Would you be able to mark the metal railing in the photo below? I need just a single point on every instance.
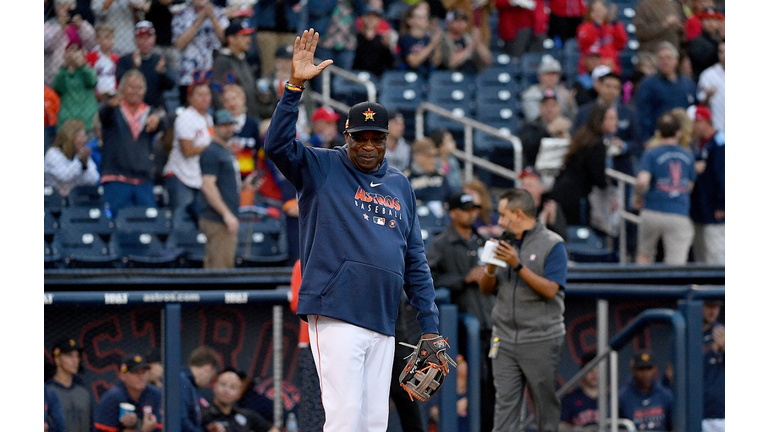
(331, 70)
(467, 155)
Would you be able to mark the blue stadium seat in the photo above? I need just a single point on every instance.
(138, 249)
(262, 240)
(402, 91)
(54, 202)
(85, 250)
(430, 221)
(585, 245)
(52, 255)
(570, 64)
(529, 66)
(146, 219)
(442, 79)
(192, 242)
(182, 220)
(458, 99)
(496, 77)
(627, 60)
(500, 152)
(86, 196)
(87, 219)
(51, 226)
(349, 91)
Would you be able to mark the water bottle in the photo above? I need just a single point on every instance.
(291, 424)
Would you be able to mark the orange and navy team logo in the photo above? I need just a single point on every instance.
(369, 114)
(378, 208)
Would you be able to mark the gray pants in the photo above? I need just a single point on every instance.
(533, 365)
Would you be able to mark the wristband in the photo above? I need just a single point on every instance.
(293, 87)
(518, 267)
(490, 275)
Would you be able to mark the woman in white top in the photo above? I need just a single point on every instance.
(191, 135)
(68, 162)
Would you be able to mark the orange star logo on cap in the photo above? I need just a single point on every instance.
(369, 114)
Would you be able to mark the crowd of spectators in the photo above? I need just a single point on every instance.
(147, 75)
(131, 87)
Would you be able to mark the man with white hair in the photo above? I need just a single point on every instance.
(663, 91)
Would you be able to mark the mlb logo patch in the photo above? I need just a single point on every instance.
(379, 220)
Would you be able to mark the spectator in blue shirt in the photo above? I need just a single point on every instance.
(663, 91)
(663, 188)
(644, 400)
(202, 365)
(135, 390)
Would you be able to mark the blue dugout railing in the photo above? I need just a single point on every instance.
(687, 356)
(689, 305)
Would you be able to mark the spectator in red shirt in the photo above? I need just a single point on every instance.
(522, 25)
(693, 23)
(602, 32)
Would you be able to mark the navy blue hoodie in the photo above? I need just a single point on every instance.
(360, 237)
(709, 191)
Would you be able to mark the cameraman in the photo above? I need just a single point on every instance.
(528, 323)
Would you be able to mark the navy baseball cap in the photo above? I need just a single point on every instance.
(222, 117)
(65, 345)
(133, 363)
(367, 116)
(643, 360)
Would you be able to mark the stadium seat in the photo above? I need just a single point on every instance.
(498, 151)
(427, 235)
(158, 221)
(459, 100)
(182, 220)
(431, 221)
(262, 240)
(585, 245)
(497, 77)
(52, 255)
(402, 91)
(192, 242)
(85, 250)
(627, 60)
(350, 92)
(51, 226)
(529, 66)
(499, 114)
(87, 219)
(144, 249)
(86, 196)
(54, 202)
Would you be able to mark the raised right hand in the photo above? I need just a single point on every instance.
(304, 67)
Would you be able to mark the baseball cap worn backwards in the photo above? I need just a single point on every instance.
(367, 116)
